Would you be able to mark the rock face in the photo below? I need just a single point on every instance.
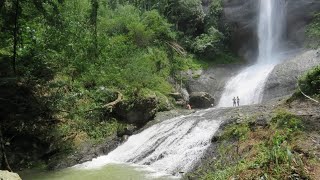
(283, 79)
(6, 175)
(299, 15)
(212, 80)
(242, 17)
(85, 153)
(201, 100)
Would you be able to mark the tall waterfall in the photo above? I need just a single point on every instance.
(249, 83)
(176, 144)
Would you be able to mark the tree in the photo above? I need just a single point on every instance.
(93, 23)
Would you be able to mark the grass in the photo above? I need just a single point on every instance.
(272, 152)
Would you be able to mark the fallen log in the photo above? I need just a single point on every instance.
(308, 96)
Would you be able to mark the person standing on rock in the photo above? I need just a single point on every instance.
(188, 106)
(238, 100)
(234, 102)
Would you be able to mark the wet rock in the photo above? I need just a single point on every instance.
(129, 130)
(261, 121)
(86, 152)
(6, 175)
(125, 137)
(283, 80)
(217, 136)
(213, 80)
(201, 100)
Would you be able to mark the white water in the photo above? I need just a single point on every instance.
(169, 147)
(249, 83)
(175, 145)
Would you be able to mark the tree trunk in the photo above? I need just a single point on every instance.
(94, 23)
(15, 36)
(4, 160)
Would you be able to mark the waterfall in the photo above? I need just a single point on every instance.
(169, 147)
(249, 83)
(175, 145)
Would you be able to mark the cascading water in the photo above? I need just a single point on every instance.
(176, 144)
(169, 147)
(249, 83)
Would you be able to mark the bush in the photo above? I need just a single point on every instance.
(284, 120)
(313, 31)
(208, 42)
(310, 82)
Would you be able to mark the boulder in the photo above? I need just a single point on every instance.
(283, 80)
(201, 100)
(138, 112)
(85, 152)
(6, 175)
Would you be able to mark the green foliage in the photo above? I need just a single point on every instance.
(313, 31)
(310, 82)
(271, 157)
(208, 42)
(215, 12)
(276, 156)
(74, 56)
(160, 27)
(239, 132)
(285, 120)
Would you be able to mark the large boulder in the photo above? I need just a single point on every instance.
(6, 175)
(138, 112)
(283, 80)
(201, 100)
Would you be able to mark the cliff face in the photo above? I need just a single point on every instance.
(283, 80)
(299, 14)
(242, 17)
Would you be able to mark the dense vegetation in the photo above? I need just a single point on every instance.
(313, 32)
(63, 62)
(310, 82)
(281, 149)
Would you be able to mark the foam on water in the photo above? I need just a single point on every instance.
(169, 147)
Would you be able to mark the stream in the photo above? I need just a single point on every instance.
(107, 172)
(168, 149)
